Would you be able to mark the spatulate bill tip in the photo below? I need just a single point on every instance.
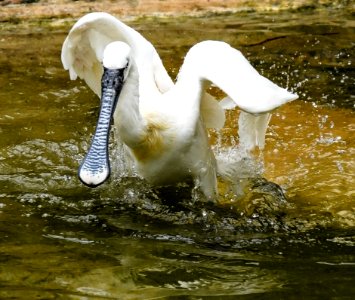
(93, 178)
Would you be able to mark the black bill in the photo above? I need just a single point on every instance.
(95, 169)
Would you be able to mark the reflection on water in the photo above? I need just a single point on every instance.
(126, 240)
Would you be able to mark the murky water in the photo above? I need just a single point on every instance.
(125, 240)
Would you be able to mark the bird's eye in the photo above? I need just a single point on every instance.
(126, 70)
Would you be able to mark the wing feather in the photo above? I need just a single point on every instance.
(212, 113)
(83, 48)
(252, 130)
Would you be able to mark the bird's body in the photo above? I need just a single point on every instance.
(164, 125)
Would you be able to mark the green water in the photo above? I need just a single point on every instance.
(126, 240)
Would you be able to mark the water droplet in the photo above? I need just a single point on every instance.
(339, 166)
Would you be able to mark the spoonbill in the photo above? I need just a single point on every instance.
(163, 124)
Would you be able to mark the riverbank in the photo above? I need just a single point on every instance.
(21, 10)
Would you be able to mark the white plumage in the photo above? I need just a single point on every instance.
(164, 125)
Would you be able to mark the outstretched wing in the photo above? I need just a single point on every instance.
(82, 50)
(228, 69)
(257, 96)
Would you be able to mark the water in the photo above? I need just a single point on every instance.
(292, 236)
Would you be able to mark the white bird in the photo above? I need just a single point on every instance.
(164, 125)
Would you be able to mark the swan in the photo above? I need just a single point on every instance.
(162, 124)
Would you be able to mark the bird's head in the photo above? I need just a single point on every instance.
(116, 56)
(95, 168)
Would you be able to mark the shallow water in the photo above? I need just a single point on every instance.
(126, 240)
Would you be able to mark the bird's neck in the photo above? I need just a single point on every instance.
(129, 121)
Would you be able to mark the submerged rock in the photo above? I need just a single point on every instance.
(260, 207)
